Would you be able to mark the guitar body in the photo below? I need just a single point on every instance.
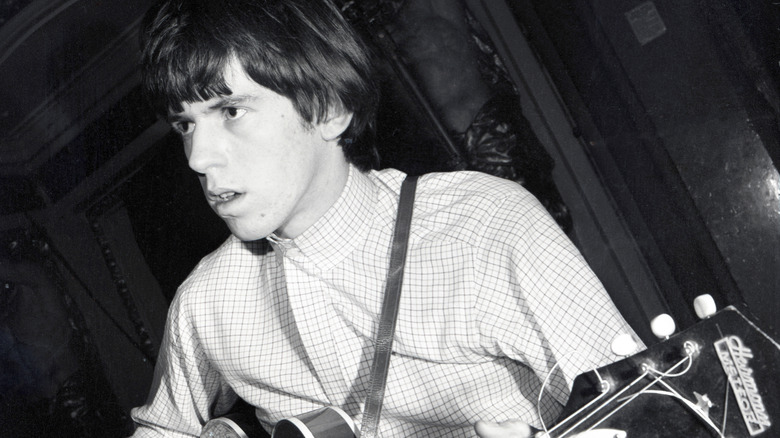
(717, 379)
(239, 423)
(328, 422)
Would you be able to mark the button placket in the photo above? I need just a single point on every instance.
(315, 316)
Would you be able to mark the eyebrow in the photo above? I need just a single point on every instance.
(221, 102)
(230, 100)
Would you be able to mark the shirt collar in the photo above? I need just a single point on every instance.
(334, 236)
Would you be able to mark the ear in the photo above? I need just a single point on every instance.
(335, 125)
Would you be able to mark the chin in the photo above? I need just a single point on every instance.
(247, 235)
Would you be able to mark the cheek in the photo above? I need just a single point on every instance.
(279, 157)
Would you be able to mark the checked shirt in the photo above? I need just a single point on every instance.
(494, 296)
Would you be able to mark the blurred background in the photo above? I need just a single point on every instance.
(648, 129)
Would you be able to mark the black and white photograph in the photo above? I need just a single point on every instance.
(389, 218)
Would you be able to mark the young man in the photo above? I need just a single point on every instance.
(271, 99)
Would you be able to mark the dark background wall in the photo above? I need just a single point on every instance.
(677, 104)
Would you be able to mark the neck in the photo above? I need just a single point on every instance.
(326, 189)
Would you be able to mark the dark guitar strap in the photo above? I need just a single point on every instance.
(384, 335)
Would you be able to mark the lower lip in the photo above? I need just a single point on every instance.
(220, 205)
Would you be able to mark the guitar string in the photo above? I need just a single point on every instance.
(613, 398)
(690, 405)
(663, 374)
(541, 389)
(693, 406)
(605, 386)
(602, 383)
(659, 377)
(606, 402)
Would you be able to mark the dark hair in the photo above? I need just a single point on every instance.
(301, 49)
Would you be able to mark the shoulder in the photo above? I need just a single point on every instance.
(226, 284)
(233, 266)
(479, 190)
(464, 205)
(453, 186)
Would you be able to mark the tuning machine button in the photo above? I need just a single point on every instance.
(624, 345)
(704, 305)
(663, 326)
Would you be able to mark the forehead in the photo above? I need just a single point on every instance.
(239, 88)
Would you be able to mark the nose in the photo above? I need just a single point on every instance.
(204, 149)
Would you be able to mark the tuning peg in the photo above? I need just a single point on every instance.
(662, 326)
(624, 345)
(704, 305)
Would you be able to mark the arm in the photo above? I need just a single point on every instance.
(541, 305)
(186, 390)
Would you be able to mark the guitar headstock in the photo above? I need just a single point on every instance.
(715, 379)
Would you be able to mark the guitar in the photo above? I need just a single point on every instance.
(327, 422)
(715, 379)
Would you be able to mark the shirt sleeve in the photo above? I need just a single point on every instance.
(539, 302)
(185, 390)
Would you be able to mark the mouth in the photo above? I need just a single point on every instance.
(222, 197)
(227, 196)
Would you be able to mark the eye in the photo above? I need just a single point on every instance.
(183, 127)
(232, 113)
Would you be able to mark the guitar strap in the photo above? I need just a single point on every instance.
(384, 335)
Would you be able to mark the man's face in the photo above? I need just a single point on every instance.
(262, 168)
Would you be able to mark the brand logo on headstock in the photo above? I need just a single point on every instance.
(734, 356)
